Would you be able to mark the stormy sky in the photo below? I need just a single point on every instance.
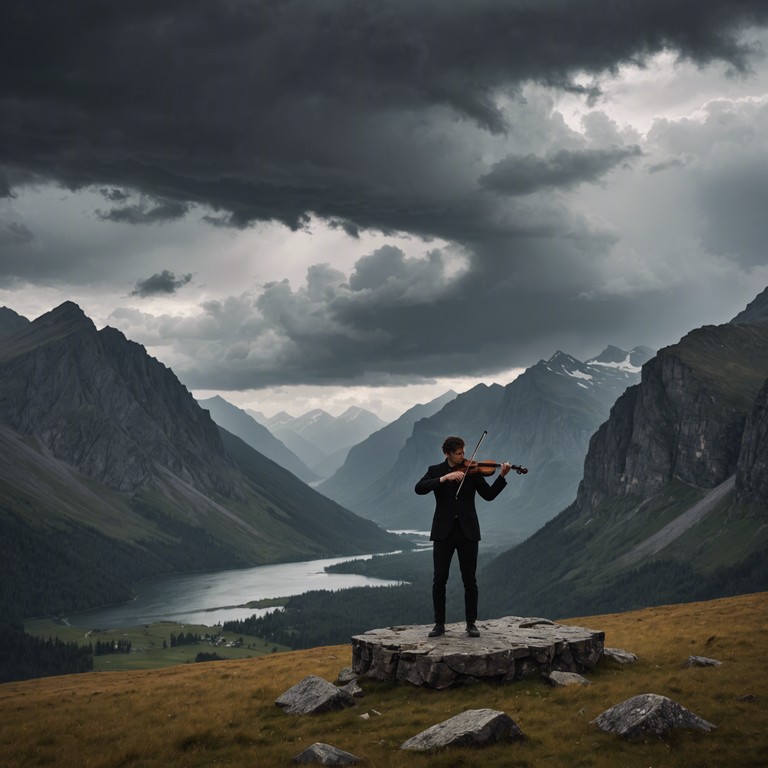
(325, 203)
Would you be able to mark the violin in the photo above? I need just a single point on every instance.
(486, 468)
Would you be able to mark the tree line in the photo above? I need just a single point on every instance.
(23, 656)
(107, 647)
(324, 617)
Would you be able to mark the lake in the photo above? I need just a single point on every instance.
(212, 598)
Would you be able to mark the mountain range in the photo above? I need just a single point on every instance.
(320, 440)
(542, 420)
(673, 503)
(648, 474)
(372, 459)
(111, 472)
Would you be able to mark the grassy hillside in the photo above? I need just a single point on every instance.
(223, 713)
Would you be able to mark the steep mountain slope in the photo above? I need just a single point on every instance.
(238, 422)
(673, 502)
(370, 460)
(542, 420)
(110, 472)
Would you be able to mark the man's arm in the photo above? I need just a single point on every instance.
(490, 492)
(430, 482)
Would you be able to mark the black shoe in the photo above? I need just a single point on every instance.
(472, 630)
(438, 630)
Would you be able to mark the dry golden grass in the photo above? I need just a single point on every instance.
(223, 713)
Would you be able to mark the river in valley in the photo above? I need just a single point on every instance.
(212, 598)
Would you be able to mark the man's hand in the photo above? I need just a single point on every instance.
(505, 467)
(455, 476)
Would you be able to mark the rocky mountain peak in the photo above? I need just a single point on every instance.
(11, 322)
(67, 314)
(562, 359)
(65, 320)
(610, 354)
(101, 404)
(756, 312)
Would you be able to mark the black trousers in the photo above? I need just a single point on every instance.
(442, 554)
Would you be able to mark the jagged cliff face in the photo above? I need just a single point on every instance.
(102, 405)
(684, 421)
(752, 466)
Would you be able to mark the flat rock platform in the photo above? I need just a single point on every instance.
(508, 649)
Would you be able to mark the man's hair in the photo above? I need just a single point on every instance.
(452, 443)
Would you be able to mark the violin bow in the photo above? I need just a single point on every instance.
(474, 453)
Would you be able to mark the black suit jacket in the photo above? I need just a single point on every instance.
(448, 507)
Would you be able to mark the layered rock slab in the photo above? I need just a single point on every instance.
(508, 649)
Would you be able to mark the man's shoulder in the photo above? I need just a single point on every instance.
(437, 468)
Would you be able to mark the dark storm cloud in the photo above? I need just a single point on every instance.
(390, 116)
(115, 195)
(272, 109)
(145, 212)
(564, 169)
(160, 283)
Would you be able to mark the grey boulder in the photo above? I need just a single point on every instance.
(474, 727)
(312, 696)
(649, 713)
(325, 754)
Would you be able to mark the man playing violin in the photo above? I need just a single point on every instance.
(455, 527)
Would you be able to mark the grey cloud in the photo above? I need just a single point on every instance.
(160, 283)
(725, 155)
(393, 316)
(5, 186)
(665, 165)
(14, 233)
(733, 201)
(564, 169)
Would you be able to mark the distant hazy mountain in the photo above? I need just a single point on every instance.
(673, 504)
(238, 422)
(320, 440)
(257, 416)
(542, 420)
(370, 460)
(110, 472)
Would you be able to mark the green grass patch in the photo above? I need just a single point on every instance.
(151, 644)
